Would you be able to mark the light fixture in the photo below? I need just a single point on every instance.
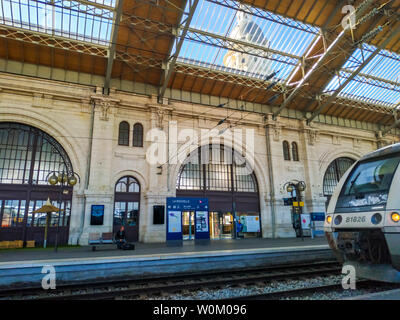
(53, 179)
(72, 180)
(395, 217)
(329, 219)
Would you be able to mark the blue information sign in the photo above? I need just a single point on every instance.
(175, 207)
(317, 216)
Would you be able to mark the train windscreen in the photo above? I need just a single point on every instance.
(367, 186)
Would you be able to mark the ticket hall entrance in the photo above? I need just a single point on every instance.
(227, 180)
(221, 225)
(188, 218)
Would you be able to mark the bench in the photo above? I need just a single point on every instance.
(100, 239)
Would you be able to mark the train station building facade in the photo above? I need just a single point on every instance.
(50, 125)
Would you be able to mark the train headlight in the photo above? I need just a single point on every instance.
(338, 220)
(329, 219)
(376, 218)
(395, 217)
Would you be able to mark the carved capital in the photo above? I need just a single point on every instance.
(312, 136)
(160, 113)
(275, 127)
(105, 105)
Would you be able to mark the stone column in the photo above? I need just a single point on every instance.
(101, 189)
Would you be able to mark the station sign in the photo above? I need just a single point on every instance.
(175, 207)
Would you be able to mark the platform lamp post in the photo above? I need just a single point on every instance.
(63, 179)
(298, 187)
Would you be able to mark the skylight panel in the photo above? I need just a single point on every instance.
(70, 19)
(233, 37)
(377, 83)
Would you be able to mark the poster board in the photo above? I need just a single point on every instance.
(97, 215)
(251, 224)
(201, 222)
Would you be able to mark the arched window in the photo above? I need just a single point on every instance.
(286, 150)
(334, 173)
(126, 207)
(217, 169)
(137, 135)
(123, 134)
(295, 151)
(27, 157)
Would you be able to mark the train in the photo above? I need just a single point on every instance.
(362, 222)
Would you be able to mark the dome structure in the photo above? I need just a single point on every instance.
(247, 30)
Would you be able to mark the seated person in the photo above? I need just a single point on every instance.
(120, 237)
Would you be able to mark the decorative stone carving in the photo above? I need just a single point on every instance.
(275, 127)
(159, 114)
(105, 105)
(312, 136)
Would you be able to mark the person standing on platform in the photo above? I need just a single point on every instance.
(239, 228)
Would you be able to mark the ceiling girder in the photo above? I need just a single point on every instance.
(394, 34)
(170, 63)
(113, 44)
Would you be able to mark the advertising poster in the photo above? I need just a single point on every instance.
(97, 215)
(250, 223)
(174, 221)
(305, 221)
(201, 221)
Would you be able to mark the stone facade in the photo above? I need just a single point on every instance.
(85, 122)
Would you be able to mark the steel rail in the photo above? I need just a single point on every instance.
(128, 288)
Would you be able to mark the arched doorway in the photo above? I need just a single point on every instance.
(126, 207)
(227, 180)
(333, 175)
(27, 156)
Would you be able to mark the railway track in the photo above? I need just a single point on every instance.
(303, 292)
(174, 284)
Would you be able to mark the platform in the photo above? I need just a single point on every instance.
(23, 267)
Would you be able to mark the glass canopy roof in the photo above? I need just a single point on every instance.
(236, 38)
(377, 83)
(84, 20)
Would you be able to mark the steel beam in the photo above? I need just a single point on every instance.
(48, 40)
(355, 73)
(113, 44)
(86, 3)
(170, 63)
(321, 61)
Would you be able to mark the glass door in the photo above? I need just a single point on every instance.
(227, 231)
(188, 225)
(221, 225)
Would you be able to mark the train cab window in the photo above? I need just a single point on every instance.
(369, 183)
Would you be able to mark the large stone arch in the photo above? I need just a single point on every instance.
(261, 176)
(55, 129)
(327, 159)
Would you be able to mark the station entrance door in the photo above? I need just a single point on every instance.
(221, 225)
(188, 218)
